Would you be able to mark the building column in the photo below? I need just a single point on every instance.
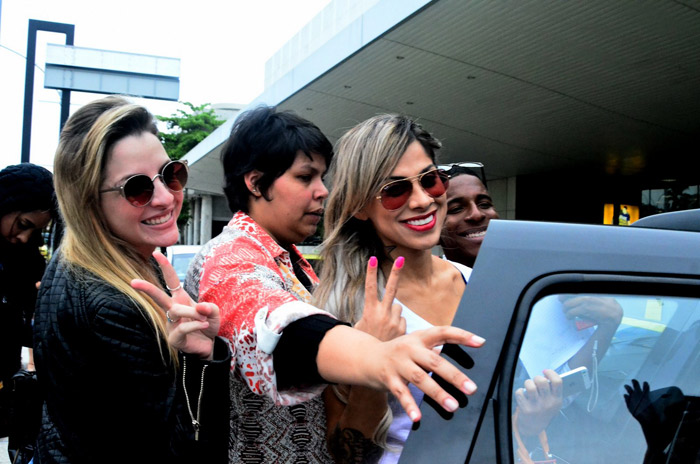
(196, 221)
(503, 194)
(510, 208)
(185, 236)
(190, 232)
(206, 210)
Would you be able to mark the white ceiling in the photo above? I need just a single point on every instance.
(529, 86)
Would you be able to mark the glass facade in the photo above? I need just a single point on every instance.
(675, 197)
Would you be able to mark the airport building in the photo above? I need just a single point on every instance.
(576, 109)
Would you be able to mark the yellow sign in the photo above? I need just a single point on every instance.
(653, 310)
(621, 215)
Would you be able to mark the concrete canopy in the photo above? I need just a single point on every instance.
(526, 87)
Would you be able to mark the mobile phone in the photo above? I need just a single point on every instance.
(575, 381)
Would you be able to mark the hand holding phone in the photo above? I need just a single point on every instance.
(575, 381)
(538, 402)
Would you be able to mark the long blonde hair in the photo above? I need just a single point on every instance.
(79, 167)
(365, 157)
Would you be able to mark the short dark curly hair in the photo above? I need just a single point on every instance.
(268, 140)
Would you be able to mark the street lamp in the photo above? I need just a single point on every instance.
(34, 26)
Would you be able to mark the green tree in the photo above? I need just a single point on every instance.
(185, 129)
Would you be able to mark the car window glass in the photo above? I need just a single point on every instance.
(629, 367)
(181, 263)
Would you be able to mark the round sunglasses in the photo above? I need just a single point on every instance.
(395, 194)
(139, 189)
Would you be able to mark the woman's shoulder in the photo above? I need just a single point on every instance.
(465, 271)
(65, 286)
(234, 243)
(232, 252)
(61, 273)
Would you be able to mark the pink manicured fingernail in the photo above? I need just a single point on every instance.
(373, 261)
(469, 387)
(478, 339)
(450, 404)
(399, 262)
(413, 415)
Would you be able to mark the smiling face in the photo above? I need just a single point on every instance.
(416, 225)
(18, 227)
(469, 210)
(294, 204)
(154, 225)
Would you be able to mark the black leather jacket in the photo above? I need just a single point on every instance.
(109, 396)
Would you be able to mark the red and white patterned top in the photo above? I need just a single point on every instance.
(251, 278)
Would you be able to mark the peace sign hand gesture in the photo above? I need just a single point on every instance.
(382, 319)
(192, 326)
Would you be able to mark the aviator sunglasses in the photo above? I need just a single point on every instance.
(395, 194)
(139, 189)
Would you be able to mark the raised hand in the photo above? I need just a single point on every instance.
(382, 318)
(659, 412)
(637, 397)
(192, 326)
(391, 365)
(600, 310)
(411, 357)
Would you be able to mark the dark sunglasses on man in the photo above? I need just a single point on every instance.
(473, 168)
(393, 195)
(139, 189)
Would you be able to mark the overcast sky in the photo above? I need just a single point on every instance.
(223, 46)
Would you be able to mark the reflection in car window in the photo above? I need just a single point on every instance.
(181, 263)
(608, 379)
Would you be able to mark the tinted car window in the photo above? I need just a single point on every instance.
(639, 394)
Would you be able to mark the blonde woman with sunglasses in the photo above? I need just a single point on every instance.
(387, 207)
(130, 367)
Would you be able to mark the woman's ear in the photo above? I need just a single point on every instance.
(251, 179)
(361, 215)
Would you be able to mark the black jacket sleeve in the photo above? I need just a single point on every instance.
(294, 357)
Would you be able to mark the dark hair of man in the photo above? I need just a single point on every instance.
(267, 140)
